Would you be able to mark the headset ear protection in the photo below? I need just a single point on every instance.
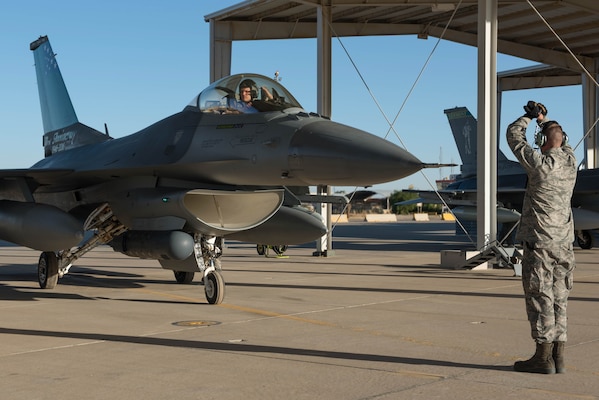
(541, 137)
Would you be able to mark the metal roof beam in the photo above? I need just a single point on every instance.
(535, 82)
(302, 30)
(546, 56)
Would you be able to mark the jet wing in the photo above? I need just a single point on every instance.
(41, 176)
(435, 200)
(23, 182)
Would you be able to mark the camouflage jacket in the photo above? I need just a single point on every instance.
(546, 212)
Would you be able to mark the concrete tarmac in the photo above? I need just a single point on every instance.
(378, 320)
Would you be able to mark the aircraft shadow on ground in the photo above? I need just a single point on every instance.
(329, 288)
(396, 271)
(23, 285)
(266, 351)
(425, 237)
(21, 293)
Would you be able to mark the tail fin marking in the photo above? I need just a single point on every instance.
(62, 129)
(57, 109)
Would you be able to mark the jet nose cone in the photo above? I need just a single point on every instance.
(329, 153)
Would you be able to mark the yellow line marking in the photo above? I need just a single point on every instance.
(276, 315)
(170, 295)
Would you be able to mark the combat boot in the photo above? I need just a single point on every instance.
(558, 357)
(540, 363)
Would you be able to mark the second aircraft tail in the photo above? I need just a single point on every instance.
(464, 128)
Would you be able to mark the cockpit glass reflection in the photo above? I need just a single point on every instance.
(244, 94)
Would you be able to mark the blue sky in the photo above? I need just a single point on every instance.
(131, 63)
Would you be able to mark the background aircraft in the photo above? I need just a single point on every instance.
(511, 184)
(172, 191)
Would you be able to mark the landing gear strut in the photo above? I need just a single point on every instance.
(52, 266)
(207, 250)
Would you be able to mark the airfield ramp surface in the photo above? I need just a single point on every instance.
(379, 320)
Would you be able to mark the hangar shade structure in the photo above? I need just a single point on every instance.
(563, 34)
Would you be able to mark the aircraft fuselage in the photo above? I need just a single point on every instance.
(266, 149)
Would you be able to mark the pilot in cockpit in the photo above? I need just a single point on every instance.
(248, 92)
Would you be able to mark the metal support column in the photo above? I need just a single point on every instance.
(487, 124)
(590, 112)
(220, 50)
(323, 106)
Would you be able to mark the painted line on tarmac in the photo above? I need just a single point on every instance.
(272, 314)
(171, 295)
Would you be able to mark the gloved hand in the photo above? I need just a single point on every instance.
(533, 109)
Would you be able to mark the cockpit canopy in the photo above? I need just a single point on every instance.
(223, 96)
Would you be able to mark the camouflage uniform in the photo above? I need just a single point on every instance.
(547, 231)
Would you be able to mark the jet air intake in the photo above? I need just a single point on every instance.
(216, 212)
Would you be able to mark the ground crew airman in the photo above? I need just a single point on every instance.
(547, 232)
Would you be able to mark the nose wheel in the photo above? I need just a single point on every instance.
(214, 287)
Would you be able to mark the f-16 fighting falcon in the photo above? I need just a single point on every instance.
(176, 189)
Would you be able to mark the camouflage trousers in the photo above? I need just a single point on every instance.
(547, 278)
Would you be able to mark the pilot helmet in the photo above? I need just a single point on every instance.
(248, 83)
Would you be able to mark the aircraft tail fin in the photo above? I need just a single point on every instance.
(464, 128)
(62, 129)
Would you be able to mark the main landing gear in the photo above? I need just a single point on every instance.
(47, 270)
(52, 266)
(207, 250)
(262, 249)
(584, 239)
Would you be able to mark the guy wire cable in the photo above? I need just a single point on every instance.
(391, 124)
(588, 74)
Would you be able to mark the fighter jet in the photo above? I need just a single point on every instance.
(222, 168)
(511, 184)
